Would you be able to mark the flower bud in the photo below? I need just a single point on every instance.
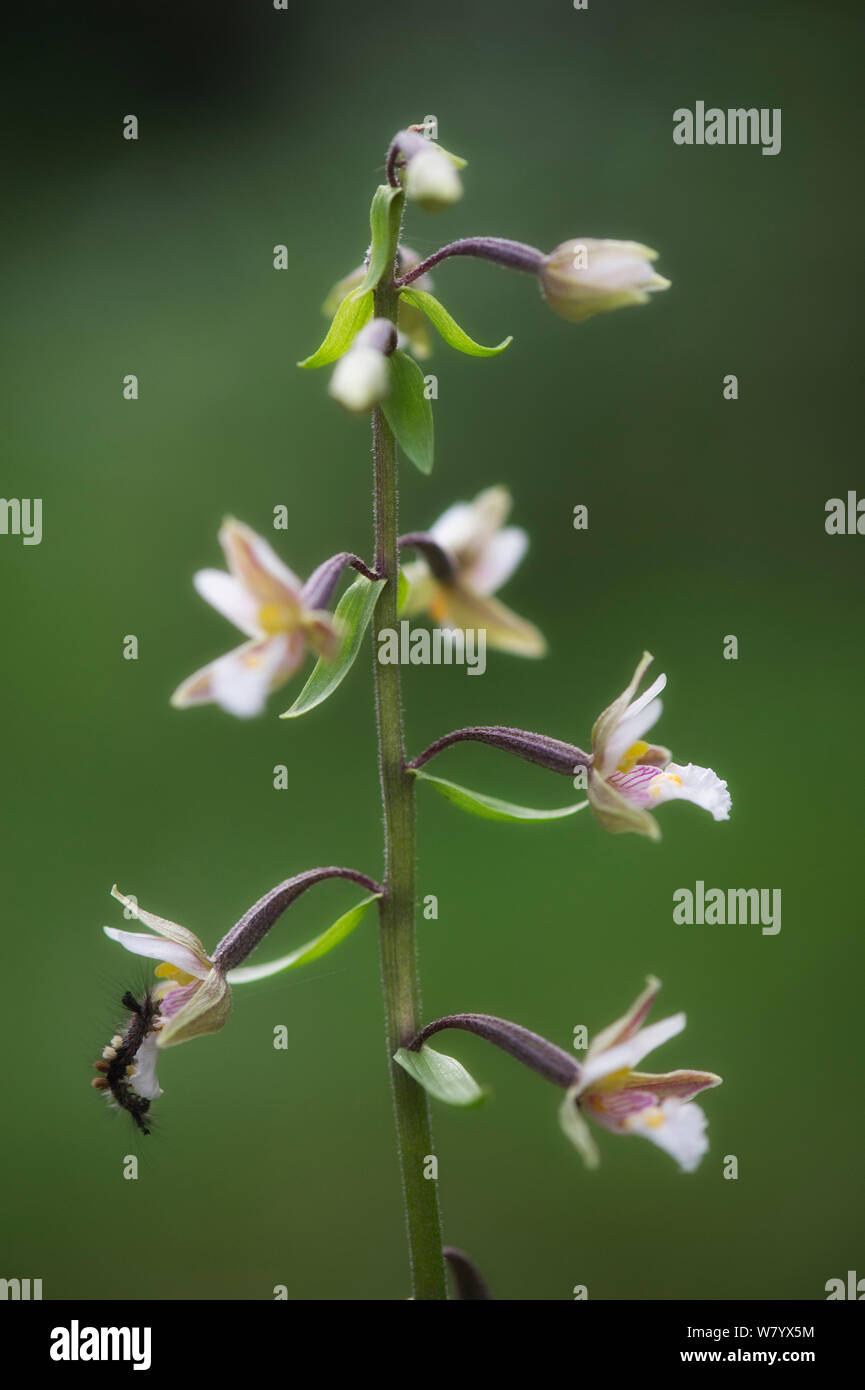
(431, 179)
(582, 278)
(361, 379)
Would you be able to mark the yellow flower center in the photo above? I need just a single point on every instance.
(655, 789)
(633, 756)
(173, 972)
(653, 1116)
(276, 617)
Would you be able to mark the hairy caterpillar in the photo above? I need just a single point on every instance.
(127, 1070)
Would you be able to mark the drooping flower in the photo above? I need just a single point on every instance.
(266, 601)
(361, 378)
(582, 278)
(193, 995)
(658, 1107)
(430, 175)
(628, 777)
(482, 553)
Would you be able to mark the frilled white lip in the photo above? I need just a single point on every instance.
(143, 1076)
(678, 1127)
(650, 786)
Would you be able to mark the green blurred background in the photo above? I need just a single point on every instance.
(706, 518)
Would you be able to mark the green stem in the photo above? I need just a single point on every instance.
(397, 944)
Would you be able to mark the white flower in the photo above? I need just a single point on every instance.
(630, 777)
(582, 278)
(194, 996)
(484, 553)
(431, 179)
(657, 1107)
(360, 379)
(264, 599)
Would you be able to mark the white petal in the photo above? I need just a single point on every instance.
(498, 560)
(181, 935)
(257, 565)
(360, 379)
(227, 595)
(678, 1127)
(627, 1025)
(691, 783)
(625, 1055)
(158, 948)
(455, 528)
(242, 680)
(467, 528)
(144, 1076)
(647, 696)
(630, 728)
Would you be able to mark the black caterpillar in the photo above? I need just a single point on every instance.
(119, 1056)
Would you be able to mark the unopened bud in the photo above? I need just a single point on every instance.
(361, 378)
(431, 179)
(582, 278)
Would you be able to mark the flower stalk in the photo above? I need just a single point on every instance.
(513, 255)
(397, 942)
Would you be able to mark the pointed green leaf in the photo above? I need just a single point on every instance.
(490, 807)
(354, 311)
(352, 615)
(448, 326)
(444, 1077)
(313, 950)
(384, 217)
(408, 412)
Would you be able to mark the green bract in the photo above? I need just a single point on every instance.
(354, 311)
(442, 1076)
(384, 216)
(491, 807)
(448, 326)
(319, 946)
(351, 617)
(408, 412)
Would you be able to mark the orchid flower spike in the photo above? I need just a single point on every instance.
(483, 554)
(629, 777)
(659, 1108)
(266, 601)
